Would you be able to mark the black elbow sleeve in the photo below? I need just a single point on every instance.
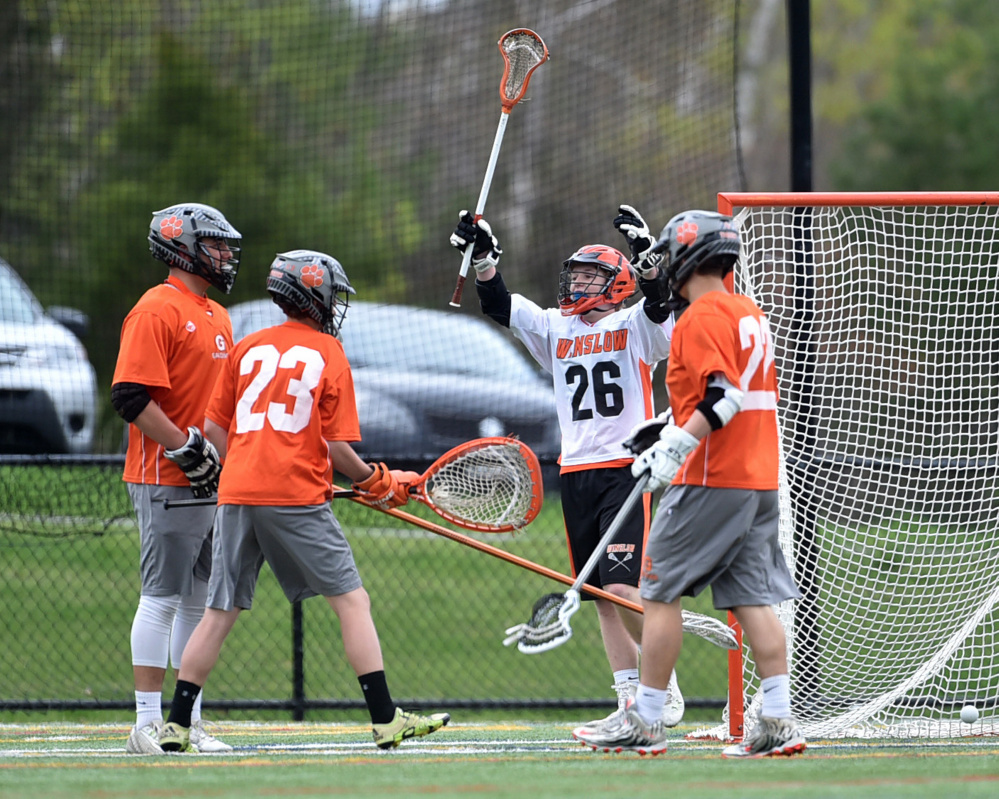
(494, 299)
(129, 400)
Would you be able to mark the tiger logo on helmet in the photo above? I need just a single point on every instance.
(610, 282)
(314, 283)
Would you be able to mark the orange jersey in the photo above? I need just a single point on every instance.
(285, 392)
(174, 342)
(727, 334)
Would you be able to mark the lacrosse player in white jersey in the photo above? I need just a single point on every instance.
(601, 355)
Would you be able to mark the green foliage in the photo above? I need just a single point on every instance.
(932, 120)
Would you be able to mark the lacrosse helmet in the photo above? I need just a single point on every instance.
(694, 239)
(176, 237)
(613, 283)
(314, 283)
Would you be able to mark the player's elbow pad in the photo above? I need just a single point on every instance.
(494, 298)
(721, 402)
(129, 400)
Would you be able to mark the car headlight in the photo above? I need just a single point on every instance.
(52, 353)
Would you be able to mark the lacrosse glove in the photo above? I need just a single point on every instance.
(486, 251)
(199, 460)
(641, 242)
(644, 434)
(385, 489)
(664, 458)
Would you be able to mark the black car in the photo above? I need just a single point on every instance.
(428, 380)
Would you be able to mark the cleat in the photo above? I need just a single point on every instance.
(631, 734)
(674, 707)
(625, 691)
(174, 738)
(144, 741)
(407, 725)
(204, 742)
(770, 738)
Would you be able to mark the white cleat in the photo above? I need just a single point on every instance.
(145, 741)
(204, 742)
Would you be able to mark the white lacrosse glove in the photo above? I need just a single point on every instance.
(486, 251)
(199, 460)
(641, 242)
(664, 458)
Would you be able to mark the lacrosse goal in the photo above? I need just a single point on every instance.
(885, 315)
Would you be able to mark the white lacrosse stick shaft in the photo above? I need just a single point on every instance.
(480, 206)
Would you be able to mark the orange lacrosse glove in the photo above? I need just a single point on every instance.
(383, 489)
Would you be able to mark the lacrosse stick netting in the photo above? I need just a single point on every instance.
(523, 52)
(494, 486)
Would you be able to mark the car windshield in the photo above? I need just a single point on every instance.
(16, 304)
(429, 341)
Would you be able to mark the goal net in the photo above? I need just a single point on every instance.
(885, 315)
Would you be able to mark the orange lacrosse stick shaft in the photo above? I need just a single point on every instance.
(499, 553)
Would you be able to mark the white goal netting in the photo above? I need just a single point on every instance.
(886, 324)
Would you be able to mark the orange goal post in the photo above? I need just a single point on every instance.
(885, 313)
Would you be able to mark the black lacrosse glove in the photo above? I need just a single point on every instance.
(641, 242)
(486, 251)
(199, 460)
(644, 434)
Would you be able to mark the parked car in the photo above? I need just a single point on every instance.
(48, 388)
(428, 380)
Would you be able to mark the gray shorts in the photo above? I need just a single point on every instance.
(722, 537)
(175, 545)
(304, 546)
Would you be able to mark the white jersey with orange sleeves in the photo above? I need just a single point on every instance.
(722, 333)
(285, 392)
(174, 342)
(602, 374)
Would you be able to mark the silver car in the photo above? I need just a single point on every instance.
(428, 380)
(48, 388)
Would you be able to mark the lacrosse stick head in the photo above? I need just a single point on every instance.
(548, 626)
(523, 52)
(490, 485)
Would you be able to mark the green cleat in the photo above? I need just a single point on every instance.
(174, 738)
(404, 725)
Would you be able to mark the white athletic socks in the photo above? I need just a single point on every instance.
(625, 675)
(148, 707)
(776, 696)
(651, 702)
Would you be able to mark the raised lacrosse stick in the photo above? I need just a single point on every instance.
(523, 52)
(490, 485)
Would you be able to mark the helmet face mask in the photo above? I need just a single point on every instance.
(594, 276)
(198, 239)
(313, 282)
(696, 239)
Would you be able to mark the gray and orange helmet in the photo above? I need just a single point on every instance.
(176, 237)
(314, 283)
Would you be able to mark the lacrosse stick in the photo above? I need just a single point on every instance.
(490, 485)
(549, 624)
(523, 52)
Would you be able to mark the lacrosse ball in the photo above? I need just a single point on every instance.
(969, 714)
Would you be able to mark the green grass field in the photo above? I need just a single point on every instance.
(491, 759)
